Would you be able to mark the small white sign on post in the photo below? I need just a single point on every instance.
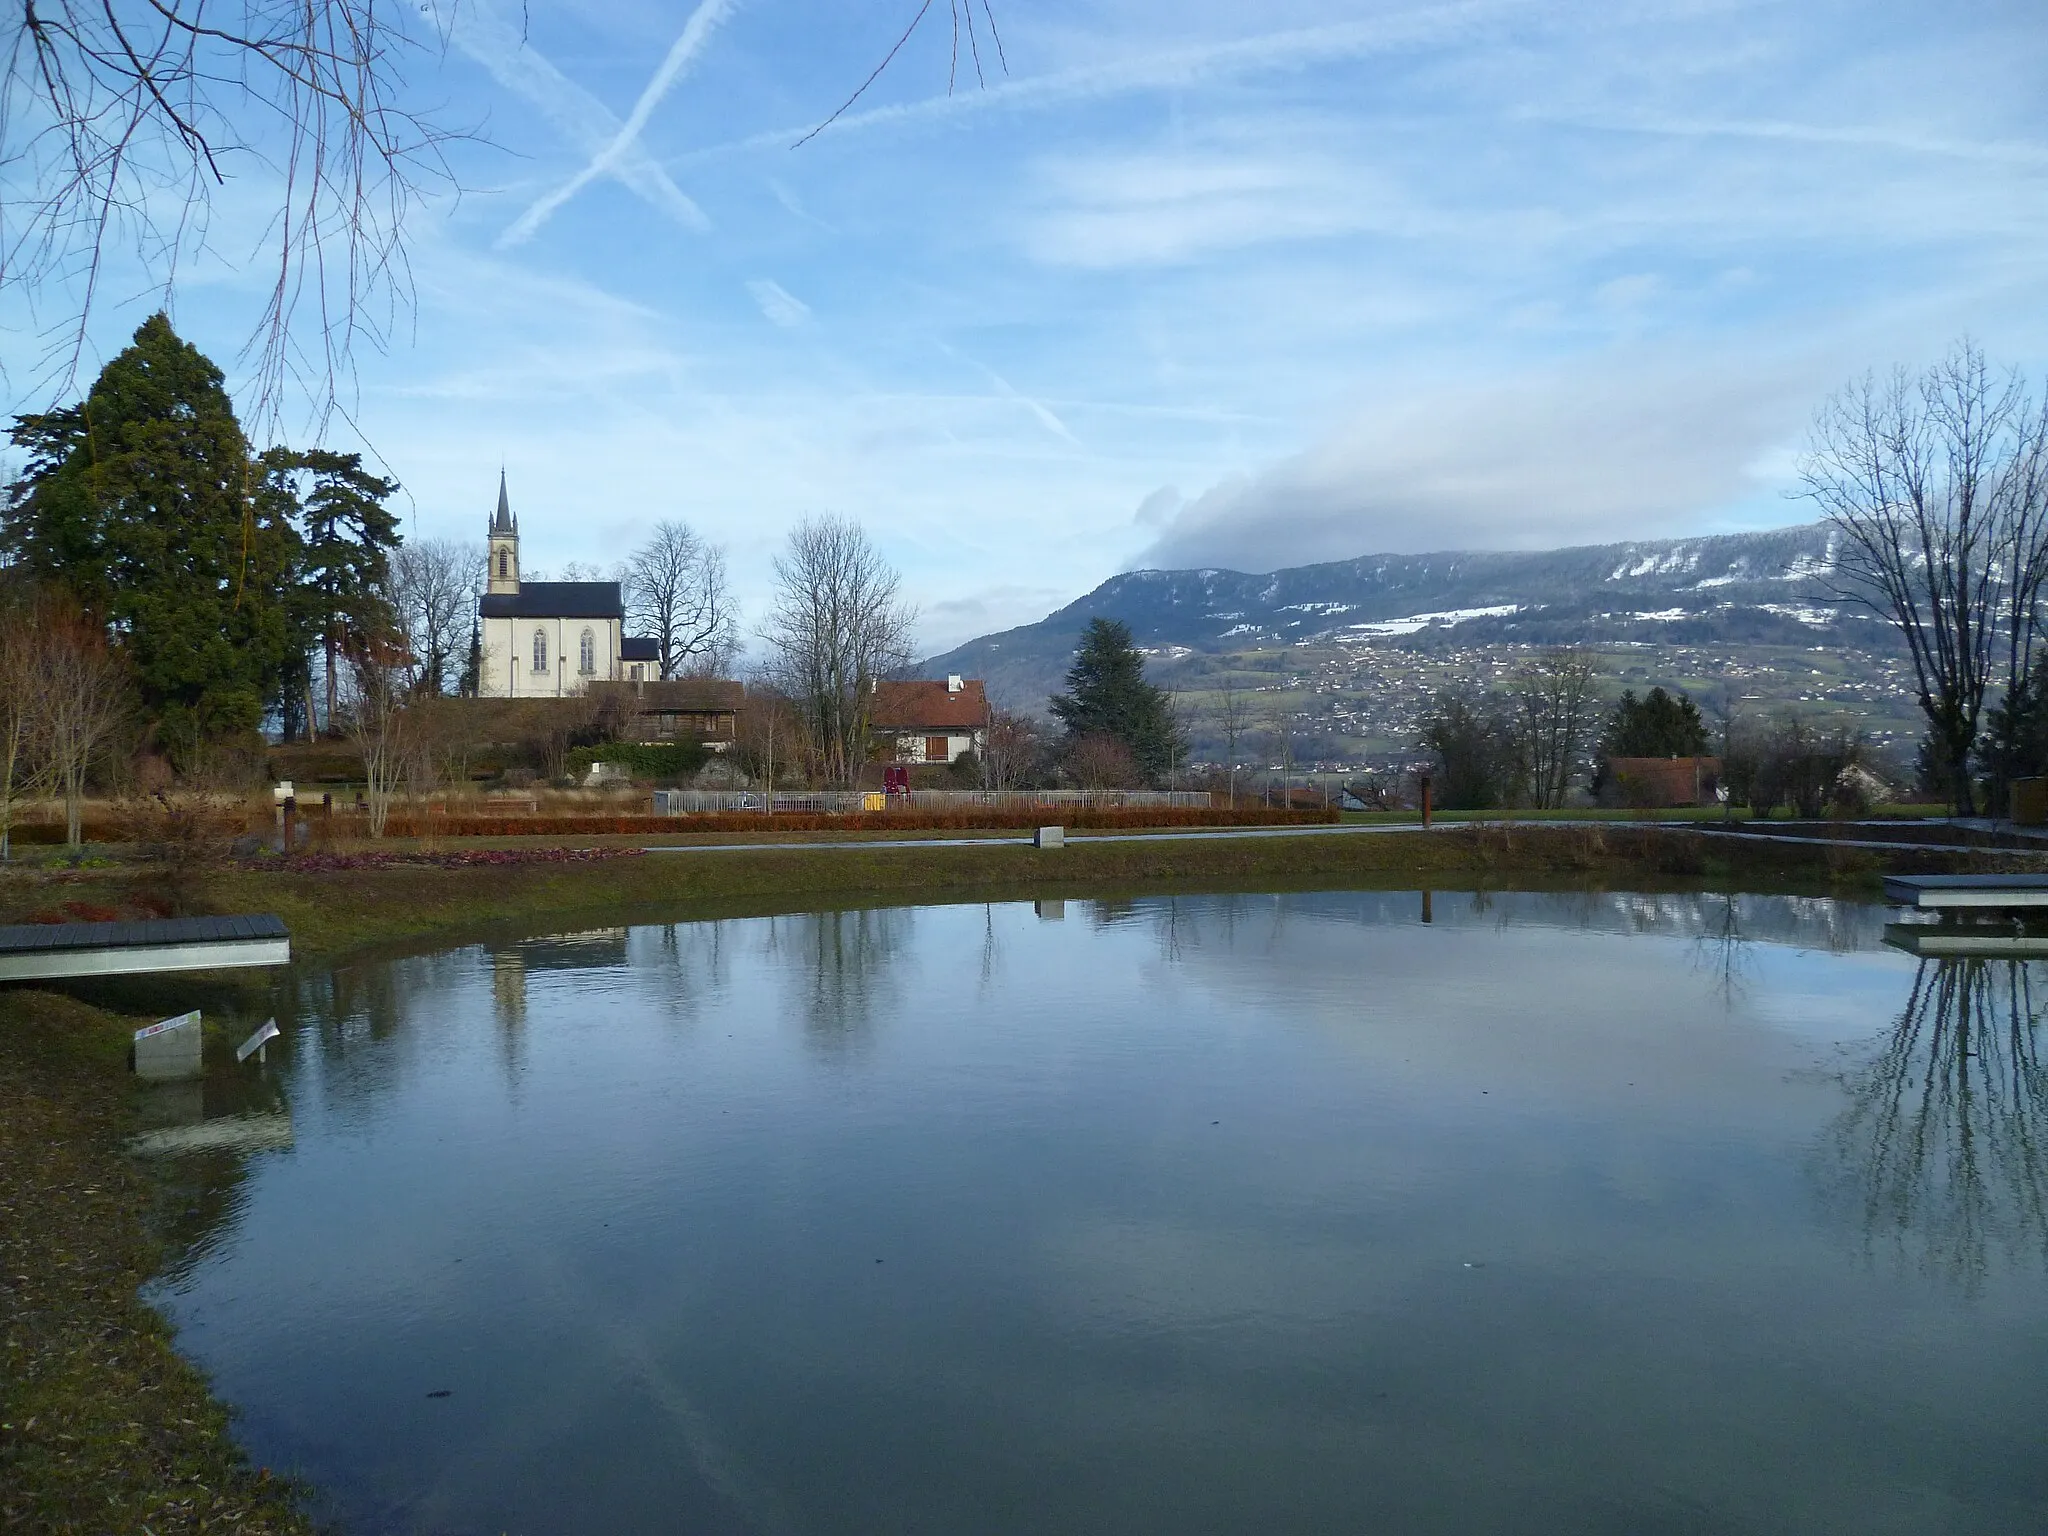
(170, 1050)
(253, 1046)
(1050, 837)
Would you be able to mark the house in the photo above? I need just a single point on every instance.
(929, 722)
(549, 639)
(1650, 782)
(705, 709)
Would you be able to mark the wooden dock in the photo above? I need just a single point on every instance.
(1968, 893)
(49, 951)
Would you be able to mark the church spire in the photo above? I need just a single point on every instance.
(502, 522)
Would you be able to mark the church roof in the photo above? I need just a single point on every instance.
(556, 600)
(633, 648)
(501, 520)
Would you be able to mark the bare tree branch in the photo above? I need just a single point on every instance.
(1937, 489)
(836, 629)
(120, 119)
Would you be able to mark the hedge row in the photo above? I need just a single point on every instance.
(1098, 818)
(643, 760)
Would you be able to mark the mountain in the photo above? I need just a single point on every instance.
(1743, 587)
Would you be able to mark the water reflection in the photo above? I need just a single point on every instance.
(1175, 1214)
(839, 967)
(1941, 1145)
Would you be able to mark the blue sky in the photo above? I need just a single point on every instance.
(1193, 283)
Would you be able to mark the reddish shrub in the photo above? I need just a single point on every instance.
(1091, 818)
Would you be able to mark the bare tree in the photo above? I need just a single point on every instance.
(837, 628)
(84, 694)
(1102, 761)
(378, 721)
(22, 642)
(676, 592)
(1010, 745)
(1551, 697)
(434, 587)
(120, 122)
(1233, 719)
(1937, 487)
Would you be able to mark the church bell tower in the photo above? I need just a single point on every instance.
(504, 571)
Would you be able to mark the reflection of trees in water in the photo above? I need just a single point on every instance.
(1941, 1144)
(846, 982)
(684, 968)
(1721, 949)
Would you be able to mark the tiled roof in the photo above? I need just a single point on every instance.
(633, 648)
(691, 695)
(928, 706)
(557, 600)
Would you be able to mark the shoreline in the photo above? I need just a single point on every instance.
(105, 1427)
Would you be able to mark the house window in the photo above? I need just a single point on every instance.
(936, 750)
(665, 725)
(639, 673)
(587, 661)
(540, 650)
(504, 564)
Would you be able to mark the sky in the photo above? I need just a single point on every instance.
(1182, 284)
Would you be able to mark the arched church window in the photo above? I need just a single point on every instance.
(540, 650)
(504, 564)
(587, 662)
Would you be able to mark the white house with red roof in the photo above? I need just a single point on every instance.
(929, 721)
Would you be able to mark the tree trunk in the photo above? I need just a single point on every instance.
(333, 693)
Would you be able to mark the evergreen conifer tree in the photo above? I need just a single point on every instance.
(138, 501)
(1656, 725)
(1107, 695)
(339, 605)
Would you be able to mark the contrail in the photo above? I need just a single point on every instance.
(1299, 48)
(683, 53)
(587, 123)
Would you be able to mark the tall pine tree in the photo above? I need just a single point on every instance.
(137, 501)
(339, 607)
(1107, 695)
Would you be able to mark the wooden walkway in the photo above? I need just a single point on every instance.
(46, 951)
(1968, 893)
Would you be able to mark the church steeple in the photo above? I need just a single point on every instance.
(503, 575)
(502, 521)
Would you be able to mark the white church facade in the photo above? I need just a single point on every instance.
(550, 639)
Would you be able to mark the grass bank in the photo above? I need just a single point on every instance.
(333, 912)
(103, 1426)
(104, 1429)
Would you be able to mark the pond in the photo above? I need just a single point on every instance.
(1296, 1213)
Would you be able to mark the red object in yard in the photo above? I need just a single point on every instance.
(896, 781)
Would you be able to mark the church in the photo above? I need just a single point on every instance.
(551, 639)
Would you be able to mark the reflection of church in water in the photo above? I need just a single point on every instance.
(513, 964)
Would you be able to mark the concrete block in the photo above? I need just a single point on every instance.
(171, 1050)
(1050, 837)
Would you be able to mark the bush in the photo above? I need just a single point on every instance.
(643, 760)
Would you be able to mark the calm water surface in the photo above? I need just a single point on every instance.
(1214, 1214)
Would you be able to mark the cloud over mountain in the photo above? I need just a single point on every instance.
(1614, 448)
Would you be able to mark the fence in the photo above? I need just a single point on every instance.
(832, 802)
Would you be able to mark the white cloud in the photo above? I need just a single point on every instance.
(1618, 446)
(782, 307)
